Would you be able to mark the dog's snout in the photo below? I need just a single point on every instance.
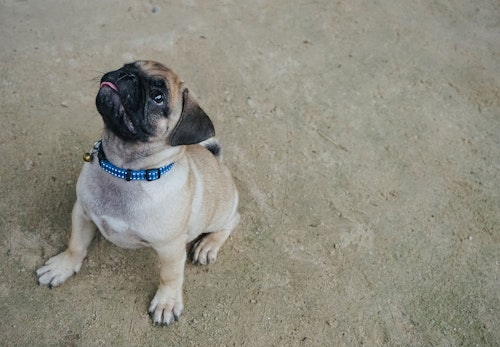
(127, 77)
(118, 76)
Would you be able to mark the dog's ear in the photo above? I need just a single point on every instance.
(193, 126)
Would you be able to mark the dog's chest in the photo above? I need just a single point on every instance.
(120, 231)
(128, 214)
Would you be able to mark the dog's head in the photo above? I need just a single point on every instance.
(146, 101)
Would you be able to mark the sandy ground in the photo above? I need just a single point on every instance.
(365, 140)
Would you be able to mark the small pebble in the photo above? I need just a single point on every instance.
(28, 164)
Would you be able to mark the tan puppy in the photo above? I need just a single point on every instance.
(155, 180)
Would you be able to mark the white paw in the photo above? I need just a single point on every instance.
(58, 269)
(166, 306)
(205, 251)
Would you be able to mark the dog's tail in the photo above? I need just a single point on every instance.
(214, 146)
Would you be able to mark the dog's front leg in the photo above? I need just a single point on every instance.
(59, 268)
(167, 304)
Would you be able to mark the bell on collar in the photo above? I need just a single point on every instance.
(88, 157)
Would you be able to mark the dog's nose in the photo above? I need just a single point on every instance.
(127, 77)
(119, 76)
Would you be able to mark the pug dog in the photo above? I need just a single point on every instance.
(156, 179)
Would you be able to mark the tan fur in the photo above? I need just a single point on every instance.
(196, 197)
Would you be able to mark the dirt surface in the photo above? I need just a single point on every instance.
(365, 140)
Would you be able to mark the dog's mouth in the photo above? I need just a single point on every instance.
(110, 85)
(111, 88)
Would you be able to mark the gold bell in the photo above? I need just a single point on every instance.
(87, 157)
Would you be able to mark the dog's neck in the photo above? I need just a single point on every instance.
(139, 155)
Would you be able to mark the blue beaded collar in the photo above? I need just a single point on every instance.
(127, 174)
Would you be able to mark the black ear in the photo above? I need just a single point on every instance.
(194, 125)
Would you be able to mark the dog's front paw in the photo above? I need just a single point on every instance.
(166, 306)
(58, 269)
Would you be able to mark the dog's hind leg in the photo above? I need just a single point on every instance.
(205, 249)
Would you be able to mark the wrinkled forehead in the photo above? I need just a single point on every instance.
(151, 66)
(155, 70)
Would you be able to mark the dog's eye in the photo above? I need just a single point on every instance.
(158, 98)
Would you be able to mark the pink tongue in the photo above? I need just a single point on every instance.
(110, 85)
